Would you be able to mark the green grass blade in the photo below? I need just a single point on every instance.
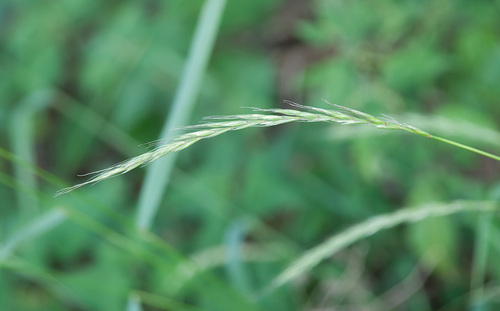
(480, 261)
(158, 174)
(23, 143)
(367, 228)
(109, 133)
(235, 268)
(32, 230)
(133, 303)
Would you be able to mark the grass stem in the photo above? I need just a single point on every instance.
(484, 153)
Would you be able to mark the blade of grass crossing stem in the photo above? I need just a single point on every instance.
(32, 230)
(109, 133)
(314, 256)
(158, 173)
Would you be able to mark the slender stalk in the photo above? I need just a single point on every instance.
(484, 153)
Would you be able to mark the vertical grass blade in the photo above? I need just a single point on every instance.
(158, 174)
(235, 267)
(479, 262)
(23, 144)
(133, 303)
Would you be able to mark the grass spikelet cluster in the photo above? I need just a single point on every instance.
(370, 227)
(221, 124)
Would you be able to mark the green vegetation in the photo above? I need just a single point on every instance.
(296, 216)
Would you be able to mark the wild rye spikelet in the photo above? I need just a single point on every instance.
(340, 115)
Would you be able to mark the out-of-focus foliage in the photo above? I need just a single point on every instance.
(83, 83)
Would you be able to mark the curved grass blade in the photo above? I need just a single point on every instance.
(368, 228)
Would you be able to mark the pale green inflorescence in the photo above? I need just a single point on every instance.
(341, 115)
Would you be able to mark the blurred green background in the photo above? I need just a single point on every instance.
(84, 83)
